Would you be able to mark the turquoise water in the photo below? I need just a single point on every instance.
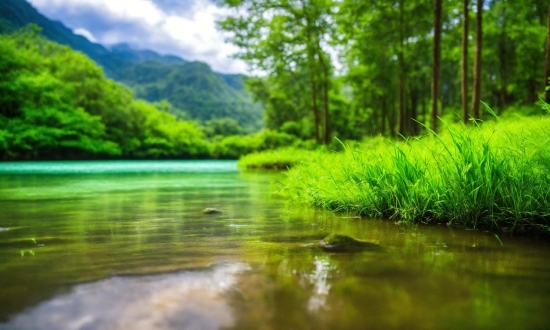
(125, 245)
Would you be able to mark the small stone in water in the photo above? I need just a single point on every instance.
(211, 210)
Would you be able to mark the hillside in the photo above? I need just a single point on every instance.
(56, 103)
(15, 14)
(196, 91)
(129, 53)
(194, 88)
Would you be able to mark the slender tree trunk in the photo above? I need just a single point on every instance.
(503, 75)
(392, 120)
(383, 119)
(477, 61)
(401, 87)
(312, 77)
(325, 98)
(414, 111)
(464, 86)
(547, 59)
(503, 43)
(315, 109)
(424, 111)
(436, 60)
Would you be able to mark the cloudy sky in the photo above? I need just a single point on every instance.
(185, 28)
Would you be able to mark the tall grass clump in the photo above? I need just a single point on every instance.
(494, 174)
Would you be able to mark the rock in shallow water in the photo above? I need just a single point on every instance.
(343, 243)
(211, 210)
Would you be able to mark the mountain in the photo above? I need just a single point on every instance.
(195, 90)
(15, 14)
(127, 52)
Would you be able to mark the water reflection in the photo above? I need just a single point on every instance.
(321, 287)
(85, 228)
(186, 300)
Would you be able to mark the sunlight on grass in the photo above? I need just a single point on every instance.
(493, 175)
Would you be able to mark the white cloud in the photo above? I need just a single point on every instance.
(85, 33)
(191, 34)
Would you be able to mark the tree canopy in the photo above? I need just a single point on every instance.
(57, 103)
(358, 68)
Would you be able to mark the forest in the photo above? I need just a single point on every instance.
(351, 69)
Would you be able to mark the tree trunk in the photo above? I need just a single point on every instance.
(547, 59)
(436, 60)
(383, 119)
(315, 109)
(312, 77)
(503, 44)
(477, 61)
(424, 110)
(503, 75)
(414, 112)
(392, 120)
(401, 87)
(325, 98)
(465, 61)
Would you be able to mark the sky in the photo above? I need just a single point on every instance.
(185, 28)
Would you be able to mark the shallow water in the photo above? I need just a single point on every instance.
(125, 245)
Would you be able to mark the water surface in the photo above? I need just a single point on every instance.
(125, 245)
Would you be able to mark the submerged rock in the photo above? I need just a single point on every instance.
(211, 210)
(343, 243)
(291, 239)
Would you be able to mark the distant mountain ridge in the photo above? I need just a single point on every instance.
(193, 88)
(135, 55)
(15, 14)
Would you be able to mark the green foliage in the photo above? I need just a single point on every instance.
(278, 159)
(494, 175)
(56, 103)
(222, 126)
(288, 41)
(235, 146)
(384, 47)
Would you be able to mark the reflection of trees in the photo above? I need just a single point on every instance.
(430, 277)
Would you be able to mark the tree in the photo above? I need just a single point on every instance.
(401, 60)
(464, 85)
(285, 38)
(547, 59)
(436, 60)
(477, 62)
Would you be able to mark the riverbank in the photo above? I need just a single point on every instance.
(494, 176)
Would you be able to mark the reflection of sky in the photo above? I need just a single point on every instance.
(187, 300)
(321, 287)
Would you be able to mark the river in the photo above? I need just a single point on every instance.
(125, 245)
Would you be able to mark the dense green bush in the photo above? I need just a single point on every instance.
(235, 146)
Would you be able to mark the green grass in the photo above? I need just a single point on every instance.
(494, 175)
(278, 159)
